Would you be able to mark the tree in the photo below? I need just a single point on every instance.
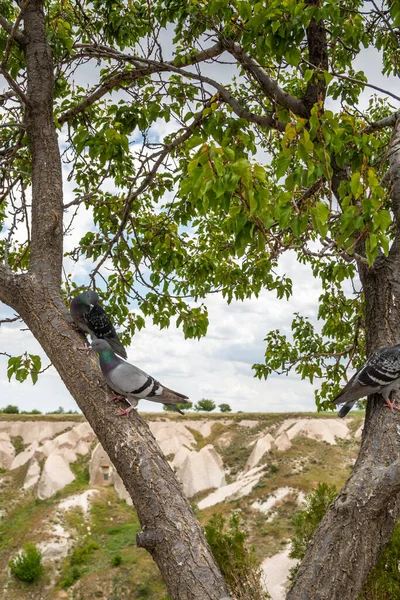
(184, 407)
(10, 409)
(205, 405)
(194, 212)
(224, 408)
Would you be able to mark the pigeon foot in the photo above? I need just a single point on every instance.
(117, 398)
(125, 411)
(85, 349)
(392, 405)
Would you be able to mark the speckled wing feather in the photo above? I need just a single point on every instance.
(380, 374)
(101, 327)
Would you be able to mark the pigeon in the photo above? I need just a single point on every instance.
(379, 375)
(91, 318)
(131, 382)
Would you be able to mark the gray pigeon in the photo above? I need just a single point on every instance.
(133, 383)
(91, 318)
(379, 375)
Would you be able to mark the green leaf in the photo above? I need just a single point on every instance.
(308, 74)
(382, 220)
(319, 216)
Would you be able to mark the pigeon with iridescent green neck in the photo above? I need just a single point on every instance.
(131, 382)
(91, 318)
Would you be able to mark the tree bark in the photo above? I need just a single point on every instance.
(362, 519)
(171, 532)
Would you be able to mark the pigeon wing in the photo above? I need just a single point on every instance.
(128, 380)
(100, 326)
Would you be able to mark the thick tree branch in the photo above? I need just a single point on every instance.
(268, 85)
(394, 170)
(47, 213)
(12, 29)
(383, 123)
(146, 67)
(318, 57)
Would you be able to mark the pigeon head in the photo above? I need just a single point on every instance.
(101, 346)
(89, 298)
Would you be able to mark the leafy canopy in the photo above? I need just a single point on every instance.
(198, 176)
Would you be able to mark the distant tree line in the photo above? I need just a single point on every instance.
(11, 409)
(204, 405)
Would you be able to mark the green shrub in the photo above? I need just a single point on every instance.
(81, 554)
(224, 408)
(27, 566)
(116, 560)
(142, 590)
(235, 557)
(10, 410)
(205, 405)
(70, 578)
(307, 520)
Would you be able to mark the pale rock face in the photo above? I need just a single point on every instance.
(121, 489)
(57, 546)
(180, 457)
(55, 476)
(261, 446)
(45, 450)
(171, 436)
(67, 453)
(318, 429)
(247, 423)
(85, 432)
(201, 471)
(276, 569)
(243, 486)
(283, 442)
(4, 436)
(79, 501)
(358, 433)
(82, 448)
(276, 497)
(7, 454)
(33, 475)
(30, 431)
(203, 427)
(23, 457)
(100, 467)
(69, 439)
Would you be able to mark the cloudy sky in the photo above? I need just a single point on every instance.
(219, 365)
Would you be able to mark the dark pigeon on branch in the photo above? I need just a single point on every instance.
(379, 375)
(131, 382)
(91, 318)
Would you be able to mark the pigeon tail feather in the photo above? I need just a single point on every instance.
(175, 408)
(117, 346)
(174, 397)
(346, 408)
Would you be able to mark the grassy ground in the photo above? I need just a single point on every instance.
(104, 561)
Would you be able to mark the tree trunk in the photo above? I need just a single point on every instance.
(171, 532)
(362, 519)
